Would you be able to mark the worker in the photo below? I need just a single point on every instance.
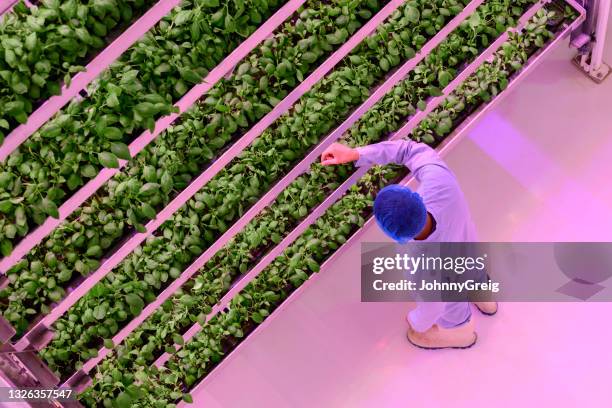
(436, 212)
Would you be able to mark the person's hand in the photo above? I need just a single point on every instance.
(338, 154)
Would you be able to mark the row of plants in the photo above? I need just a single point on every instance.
(166, 167)
(127, 98)
(491, 78)
(225, 199)
(127, 376)
(46, 44)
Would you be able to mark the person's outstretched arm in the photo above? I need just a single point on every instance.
(423, 161)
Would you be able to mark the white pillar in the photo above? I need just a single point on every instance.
(603, 12)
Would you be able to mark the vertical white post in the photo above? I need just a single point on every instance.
(603, 12)
(590, 59)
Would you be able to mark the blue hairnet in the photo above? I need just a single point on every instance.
(400, 212)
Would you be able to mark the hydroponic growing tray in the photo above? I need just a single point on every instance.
(424, 113)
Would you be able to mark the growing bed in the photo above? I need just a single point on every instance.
(137, 296)
(44, 44)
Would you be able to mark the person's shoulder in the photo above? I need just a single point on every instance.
(438, 180)
(444, 196)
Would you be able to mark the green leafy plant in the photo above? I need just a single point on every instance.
(126, 99)
(489, 80)
(48, 43)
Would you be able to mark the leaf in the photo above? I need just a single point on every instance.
(112, 133)
(187, 398)
(74, 181)
(180, 87)
(135, 302)
(10, 58)
(30, 287)
(244, 68)
(162, 68)
(108, 160)
(121, 150)
(150, 174)
(56, 294)
(30, 41)
(99, 312)
(428, 138)
(112, 101)
(503, 83)
(230, 23)
(148, 211)
(256, 317)
(384, 64)
(444, 126)
(134, 391)
(178, 339)
(434, 91)
(69, 44)
(50, 208)
(145, 109)
(312, 264)
(88, 171)
(14, 108)
(181, 17)
(166, 181)
(20, 217)
(123, 401)
(6, 206)
(474, 20)
(94, 251)
(148, 189)
(412, 14)
(444, 77)
(338, 37)
(6, 247)
(55, 194)
(190, 75)
(20, 88)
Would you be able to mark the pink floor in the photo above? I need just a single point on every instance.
(537, 168)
